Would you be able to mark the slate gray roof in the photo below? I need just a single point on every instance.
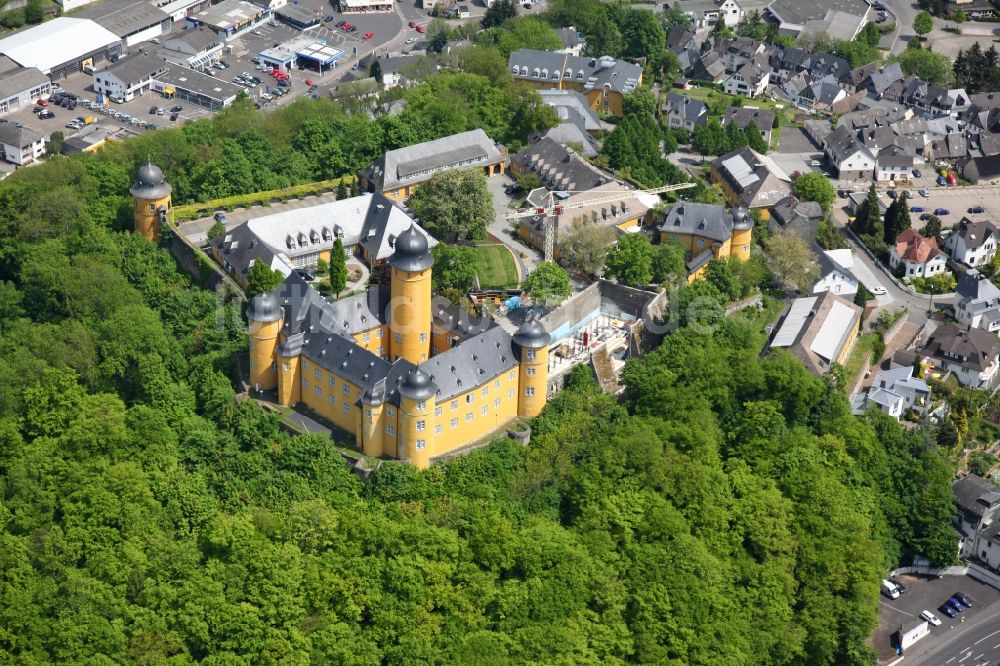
(572, 106)
(559, 167)
(690, 110)
(320, 329)
(17, 135)
(977, 292)
(123, 17)
(791, 209)
(706, 220)
(569, 37)
(135, 68)
(974, 232)
(417, 163)
(761, 118)
(971, 348)
(617, 75)
(975, 494)
(756, 179)
(15, 79)
(981, 168)
(192, 40)
(567, 133)
(843, 144)
(799, 11)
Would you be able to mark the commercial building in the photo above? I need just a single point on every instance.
(819, 331)
(840, 19)
(134, 21)
(398, 172)
(707, 232)
(129, 77)
(195, 87)
(20, 145)
(20, 86)
(61, 46)
(364, 6)
(179, 10)
(89, 138)
(318, 56)
(604, 81)
(299, 18)
(230, 18)
(303, 52)
(195, 48)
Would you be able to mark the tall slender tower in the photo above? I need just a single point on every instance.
(531, 345)
(417, 397)
(151, 199)
(265, 317)
(742, 232)
(410, 305)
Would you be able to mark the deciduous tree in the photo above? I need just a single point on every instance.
(548, 284)
(791, 261)
(630, 261)
(455, 201)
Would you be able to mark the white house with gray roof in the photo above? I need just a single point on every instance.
(852, 159)
(972, 243)
(20, 145)
(894, 392)
(685, 112)
(396, 173)
(979, 302)
(129, 77)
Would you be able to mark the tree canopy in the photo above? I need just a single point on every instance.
(630, 260)
(548, 284)
(455, 201)
(815, 187)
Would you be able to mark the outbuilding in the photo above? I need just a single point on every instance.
(20, 86)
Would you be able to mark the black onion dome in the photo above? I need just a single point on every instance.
(411, 252)
(264, 308)
(150, 183)
(417, 386)
(531, 334)
(742, 219)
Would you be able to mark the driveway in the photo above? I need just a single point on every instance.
(527, 258)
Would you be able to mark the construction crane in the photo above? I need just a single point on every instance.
(554, 209)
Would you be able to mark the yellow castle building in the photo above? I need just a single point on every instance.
(409, 385)
(707, 231)
(151, 201)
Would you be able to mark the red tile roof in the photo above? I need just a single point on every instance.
(912, 247)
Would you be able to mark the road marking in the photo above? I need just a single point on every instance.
(964, 658)
(980, 656)
(985, 637)
(996, 646)
(950, 660)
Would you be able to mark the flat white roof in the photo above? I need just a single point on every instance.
(61, 40)
(833, 331)
(321, 51)
(794, 321)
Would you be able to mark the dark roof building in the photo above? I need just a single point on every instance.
(134, 21)
(559, 167)
(969, 353)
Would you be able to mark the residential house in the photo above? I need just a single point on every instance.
(707, 66)
(972, 243)
(891, 167)
(880, 80)
(20, 145)
(398, 172)
(836, 270)
(707, 232)
(762, 119)
(572, 40)
(977, 10)
(603, 81)
(750, 180)
(855, 199)
(977, 504)
(850, 157)
(896, 391)
(751, 79)
(684, 112)
(979, 170)
(625, 215)
(819, 330)
(558, 166)
(978, 303)
(971, 354)
(915, 255)
(706, 13)
(796, 217)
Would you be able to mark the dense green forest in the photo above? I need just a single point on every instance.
(726, 510)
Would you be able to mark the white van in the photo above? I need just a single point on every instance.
(889, 589)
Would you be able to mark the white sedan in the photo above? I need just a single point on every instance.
(930, 617)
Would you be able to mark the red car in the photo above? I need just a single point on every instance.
(346, 27)
(368, 35)
(419, 28)
(41, 102)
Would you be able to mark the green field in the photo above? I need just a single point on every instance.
(865, 344)
(495, 267)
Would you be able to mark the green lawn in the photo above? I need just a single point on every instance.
(864, 345)
(495, 267)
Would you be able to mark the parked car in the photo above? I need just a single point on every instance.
(41, 102)
(964, 598)
(924, 193)
(916, 209)
(306, 275)
(173, 117)
(420, 28)
(957, 603)
(947, 610)
(411, 40)
(930, 617)
(926, 216)
(412, 24)
(368, 35)
(176, 109)
(327, 19)
(46, 114)
(916, 173)
(879, 291)
(340, 24)
(152, 110)
(219, 216)
(346, 26)
(511, 190)
(977, 209)
(892, 194)
(941, 211)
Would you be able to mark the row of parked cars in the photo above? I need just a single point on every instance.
(952, 606)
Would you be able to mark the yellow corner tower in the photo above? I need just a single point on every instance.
(410, 305)
(742, 231)
(151, 200)
(265, 316)
(531, 344)
(416, 407)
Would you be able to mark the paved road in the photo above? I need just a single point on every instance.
(973, 643)
(904, 11)
(527, 259)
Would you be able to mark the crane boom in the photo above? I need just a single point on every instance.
(552, 211)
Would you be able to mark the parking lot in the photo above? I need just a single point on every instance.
(928, 593)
